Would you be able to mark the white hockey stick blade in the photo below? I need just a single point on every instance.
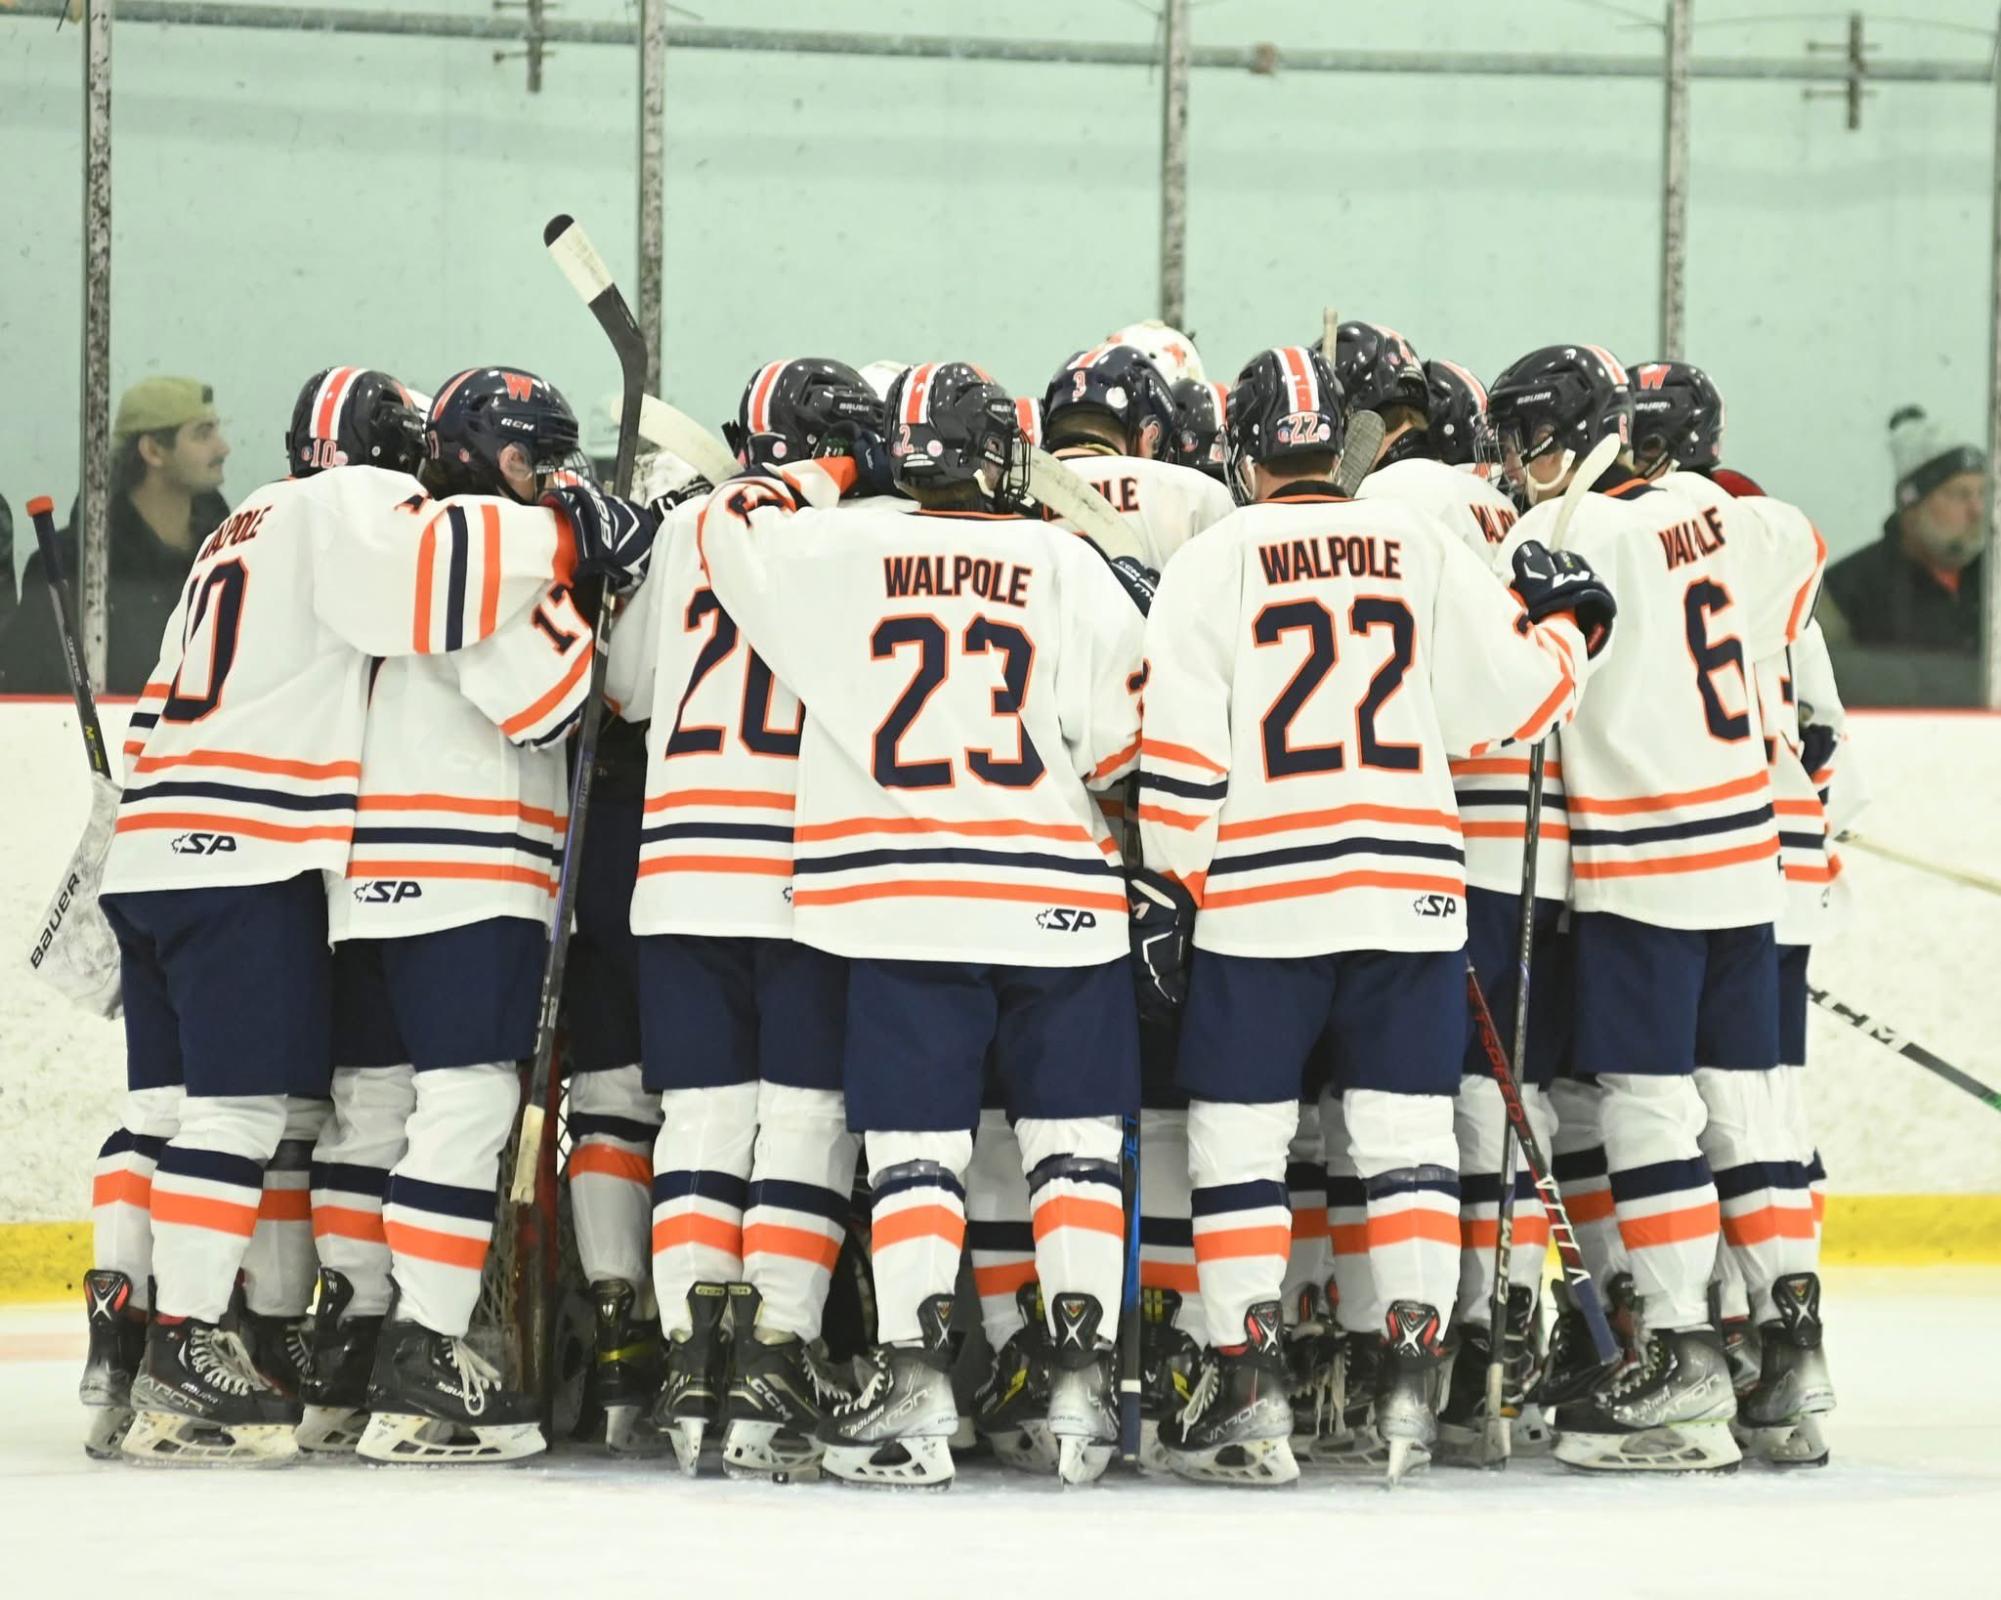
(1358, 453)
(1054, 485)
(1964, 876)
(527, 1156)
(668, 428)
(572, 251)
(1595, 464)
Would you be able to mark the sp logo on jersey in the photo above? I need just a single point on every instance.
(387, 891)
(202, 844)
(1062, 919)
(1436, 905)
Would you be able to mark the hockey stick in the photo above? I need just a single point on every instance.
(668, 428)
(42, 510)
(1056, 486)
(570, 248)
(1891, 1039)
(1497, 1438)
(1358, 451)
(1964, 876)
(1130, 1377)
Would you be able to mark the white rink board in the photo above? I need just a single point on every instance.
(1916, 951)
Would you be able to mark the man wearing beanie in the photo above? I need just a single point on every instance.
(1918, 587)
(167, 457)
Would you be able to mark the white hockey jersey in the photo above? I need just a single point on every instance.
(968, 676)
(464, 791)
(1310, 661)
(245, 752)
(1164, 504)
(1665, 782)
(1491, 790)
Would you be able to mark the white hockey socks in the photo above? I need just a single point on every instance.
(1310, 1265)
(279, 1265)
(362, 1140)
(1752, 1143)
(917, 1228)
(1080, 1234)
(443, 1194)
(1662, 1189)
(121, 1187)
(1242, 1214)
(1409, 1164)
(1577, 1162)
(999, 1234)
(802, 1183)
(701, 1183)
(1478, 1126)
(1357, 1307)
(206, 1191)
(1166, 1231)
(613, 1125)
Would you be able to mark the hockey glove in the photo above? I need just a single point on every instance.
(864, 447)
(1817, 742)
(1555, 581)
(1137, 579)
(614, 536)
(1161, 919)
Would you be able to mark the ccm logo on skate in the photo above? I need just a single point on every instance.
(1061, 919)
(203, 844)
(1436, 905)
(387, 892)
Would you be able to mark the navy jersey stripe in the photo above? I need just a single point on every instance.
(1183, 787)
(777, 833)
(1604, 838)
(204, 790)
(468, 838)
(455, 593)
(1295, 855)
(858, 860)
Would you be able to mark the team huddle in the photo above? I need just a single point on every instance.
(938, 848)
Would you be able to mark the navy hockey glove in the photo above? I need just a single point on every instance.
(614, 536)
(1817, 741)
(1137, 579)
(864, 447)
(1553, 581)
(1161, 920)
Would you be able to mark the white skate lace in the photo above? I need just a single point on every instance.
(476, 1377)
(220, 1360)
(878, 1380)
(1207, 1382)
(1642, 1372)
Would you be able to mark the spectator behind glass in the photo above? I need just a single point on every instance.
(167, 459)
(1918, 587)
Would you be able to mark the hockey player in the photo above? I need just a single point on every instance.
(1310, 661)
(1461, 436)
(1674, 851)
(741, 1026)
(1199, 410)
(242, 797)
(1380, 372)
(973, 671)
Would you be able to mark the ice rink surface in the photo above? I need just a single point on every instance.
(1903, 1509)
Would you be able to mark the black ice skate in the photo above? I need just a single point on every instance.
(335, 1388)
(117, 1346)
(434, 1400)
(1011, 1408)
(781, 1389)
(1311, 1348)
(1779, 1420)
(1083, 1415)
(281, 1348)
(1740, 1349)
(625, 1368)
(898, 1430)
(1407, 1383)
(198, 1401)
(1467, 1436)
(1573, 1369)
(1668, 1412)
(1348, 1440)
(691, 1394)
(1237, 1425)
(1168, 1359)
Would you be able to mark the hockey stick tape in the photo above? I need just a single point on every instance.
(577, 258)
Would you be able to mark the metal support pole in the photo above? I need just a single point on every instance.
(652, 176)
(1990, 635)
(1674, 184)
(1174, 163)
(94, 441)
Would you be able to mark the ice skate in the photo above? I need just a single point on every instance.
(1669, 1412)
(691, 1395)
(1779, 1420)
(1011, 1408)
(198, 1401)
(1237, 1425)
(897, 1432)
(1083, 1416)
(1573, 1369)
(1349, 1442)
(1740, 1349)
(117, 1347)
(1413, 1361)
(1311, 1347)
(781, 1388)
(335, 1388)
(281, 1348)
(1168, 1359)
(1467, 1436)
(434, 1401)
(625, 1368)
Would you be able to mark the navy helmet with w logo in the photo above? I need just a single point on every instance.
(478, 414)
(1677, 418)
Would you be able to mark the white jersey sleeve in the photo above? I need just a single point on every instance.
(531, 678)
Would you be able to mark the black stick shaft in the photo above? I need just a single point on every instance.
(42, 512)
(1891, 1039)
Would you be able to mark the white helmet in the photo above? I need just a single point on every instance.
(879, 375)
(1169, 349)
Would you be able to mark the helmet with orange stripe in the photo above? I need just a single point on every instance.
(1110, 397)
(499, 431)
(1677, 419)
(788, 405)
(1380, 372)
(1287, 407)
(952, 425)
(1551, 407)
(1459, 434)
(1199, 410)
(354, 417)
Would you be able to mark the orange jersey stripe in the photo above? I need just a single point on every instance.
(608, 1161)
(1482, 1233)
(279, 832)
(427, 554)
(465, 805)
(1292, 821)
(1224, 898)
(1670, 1227)
(1798, 613)
(1180, 753)
(1588, 1205)
(1799, 808)
(917, 1222)
(1349, 1238)
(489, 588)
(796, 1244)
(1170, 819)
(848, 827)
(122, 1188)
(1008, 1277)
(1566, 681)
(1811, 872)
(285, 1205)
(469, 871)
(1662, 865)
(698, 1228)
(753, 866)
(1500, 767)
(1416, 1223)
(428, 1244)
(1514, 830)
(1769, 1222)
(172, 1208)
(957, 889)
(762, 799)
(1076, 1211)
(1735, 789)
(1233, 1244)
(533, 713)
(344, 1222)
(1114, 762)
(1309, 1222)
(241, 761)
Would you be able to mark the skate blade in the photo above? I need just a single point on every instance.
(1403, 1457)
(1153, 1455)
(916, 1463)
(104, 1431)
(404, 1438)
(1487, 1446)
(1787, 1446)
(1254, 1464)
(1689, 1447)
(1360, 1453)
(685, 1434)
(626, 1432)
(331, 1430)
(167, 1439)
(1080, 1461)
(1530, 1434)
(759, 1450)
(1029, 1448)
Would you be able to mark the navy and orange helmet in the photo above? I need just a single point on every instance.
(354, 417)
(1116, 381)
(1458, 433)
(1286, 403)
(789, 405)
(479, 413)
(950, 423)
